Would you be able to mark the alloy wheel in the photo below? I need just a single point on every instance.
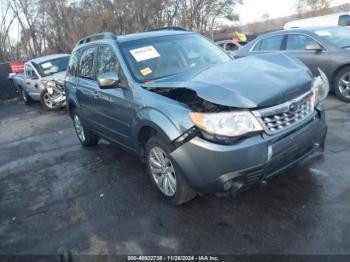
(48, 101)
(79, 128)
(344, 85)
(162, 171)
(24, 96)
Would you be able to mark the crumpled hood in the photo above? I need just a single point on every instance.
(251, 82)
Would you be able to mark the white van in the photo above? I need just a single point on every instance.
(339, 19)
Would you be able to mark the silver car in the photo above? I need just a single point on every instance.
(327, 48)
(42, 79)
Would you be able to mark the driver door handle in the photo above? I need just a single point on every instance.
(95, 94)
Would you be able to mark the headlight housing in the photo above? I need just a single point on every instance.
(43, 85)
(49, 86)
(226, 127)
(320, 87)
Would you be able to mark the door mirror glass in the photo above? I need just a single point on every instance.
(108, 80)
(314, 47)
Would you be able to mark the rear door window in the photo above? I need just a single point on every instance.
(296, 42)
(86, 64)
(273, 43)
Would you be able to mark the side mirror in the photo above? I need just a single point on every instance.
(34, 77)
(108, 80)
(314, 47)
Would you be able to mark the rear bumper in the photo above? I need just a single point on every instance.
(212, 168)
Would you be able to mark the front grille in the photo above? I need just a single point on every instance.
(279, 118)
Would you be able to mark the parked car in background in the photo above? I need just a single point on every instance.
(327, 48)
(339, 19)
(43, 81)
(229, 46)
(201, 121)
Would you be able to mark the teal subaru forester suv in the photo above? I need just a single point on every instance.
(201, 121)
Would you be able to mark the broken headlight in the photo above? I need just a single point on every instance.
(320, 88)
(49, 86)
(226, 127)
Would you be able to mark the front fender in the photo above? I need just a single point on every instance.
(156, 119)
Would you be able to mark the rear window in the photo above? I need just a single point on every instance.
(273, 43)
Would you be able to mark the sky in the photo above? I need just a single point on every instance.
(252, 10)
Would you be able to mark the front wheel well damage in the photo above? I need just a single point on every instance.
(144, 135)
(147, 132)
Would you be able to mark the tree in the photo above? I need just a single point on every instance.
(6, 20)
(49, 26)
(316, 6)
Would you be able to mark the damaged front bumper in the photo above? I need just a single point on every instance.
(212, 168)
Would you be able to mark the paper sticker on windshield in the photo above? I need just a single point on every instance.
(323, 33)
(46, 65)
(144, 53)
(146, 71)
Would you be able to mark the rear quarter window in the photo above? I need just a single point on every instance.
(73, 64)
(86, 63)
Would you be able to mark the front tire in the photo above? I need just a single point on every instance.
(46, 102)
(85, 136)
(165, 174)
(341, 85)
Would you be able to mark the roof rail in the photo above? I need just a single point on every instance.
(91, 38)
(170, 28)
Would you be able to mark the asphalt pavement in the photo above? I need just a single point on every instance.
(56, 195)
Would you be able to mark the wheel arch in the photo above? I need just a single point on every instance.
(71, 105)
(153, 122)
(336, 72)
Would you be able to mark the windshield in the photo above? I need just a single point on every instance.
(339, 37)
(53, 66)
(160, 57)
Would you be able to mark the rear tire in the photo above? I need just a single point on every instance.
(25, 97)
(165, 174)
(85, 136)
(341, 85)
